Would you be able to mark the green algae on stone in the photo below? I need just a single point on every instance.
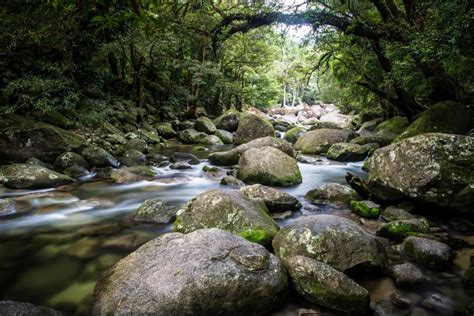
(258, 236)
(400, 229)
(294, 133)
(365, 209)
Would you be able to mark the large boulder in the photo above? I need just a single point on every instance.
(27, 176)
(211, 140)
(252, 126)
(269, 166)
(427, 252)
(395, 125)
(70, 159)
(347, 152)
(133, 157)
(275, 200)
(207, 272)
(229, 210)
(326, 286)
(165, 130)
(430, 168)
(334, 240)
(99, 157)
(205, 125)
(294, 133)
(232, 156)
(228, 121)
(319, 141)
(225, 136)
(331, 193)
(22, 138)
(191, 136)
(443, 117)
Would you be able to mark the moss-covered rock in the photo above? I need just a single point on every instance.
(395, 125)
(133, 174)
(394, 213)
(427, 252)
(165, 130)
(137, 144)
(252, 126)
(294, 133)
(443, 117)
(211, 140)
(334, 240)
(99, 157)
(156, 211)
(275, 200)
(331, 193)
(231, 157)
(431, 168)
(269, 166)
(319, 141)
(205, 125)
(382, 139)
(185, 157)
(321, 284)
(366, 209)
(232, 181)
(347, 152)
(225, 136)
(22, 138)
(191, 136)
(133, 157)
(26, 176)
(400, 229)
(69, 159)
(228, 210)
(228, 121)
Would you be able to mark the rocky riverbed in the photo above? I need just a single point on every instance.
(238, 221)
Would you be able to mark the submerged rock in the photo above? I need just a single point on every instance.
(252, 126)
(156, 211)
(347, 152)
(26, 176)
(232, 156)
(206, 272)
(326, 286)
(275, 200)
(334, 240)
(429, 168)
(268, 166)
(331, 193)
(99, 157)
(229, 210)
(427, 252)
(319, 141)
(133, 174)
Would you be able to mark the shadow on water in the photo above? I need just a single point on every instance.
(53, 250)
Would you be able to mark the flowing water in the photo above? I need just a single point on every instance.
(54, 249)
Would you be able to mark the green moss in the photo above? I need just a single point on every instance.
(255, 235)
(395, 125)
(362, 209)
(210, 169)
(177, 225)
(293, 134)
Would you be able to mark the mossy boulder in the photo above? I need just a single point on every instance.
(70, 159)
(443, 117)
(99, 157)
(156, 211)
(225, 136)
(322, 284)
(133, 174)
(252, 126)
(191, 136)
(185, 157)
(205, 125)
(331, 193)
(231, 157)
(395, 125)
(211, 140)
(228, 121)
(206, 272)
(394, 213)
(232, 181)
(22, 138)
(275, 200)
(320, 140)
(432, 168)
(228, 210)
(165, 130)
(269, 166)
(294, 133)
(382, 139)
(366, 209)
(26, 176)
(58, 119)
(137, 144)
(400, 229)
(334, 240)
(347, 152)
(427, 252)
(133, 157)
